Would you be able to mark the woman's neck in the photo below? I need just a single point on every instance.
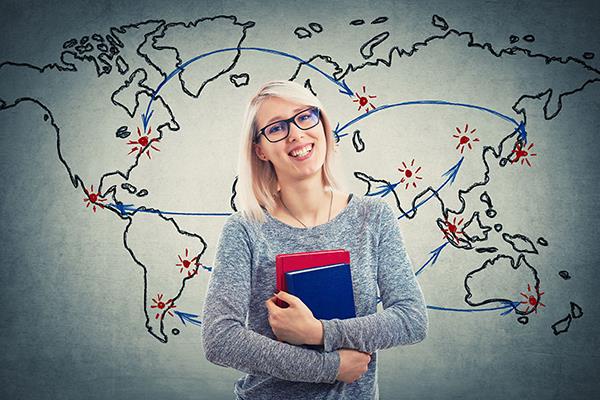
(308, 200)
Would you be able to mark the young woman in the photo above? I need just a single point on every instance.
(290, 201)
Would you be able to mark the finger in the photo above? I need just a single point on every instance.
(270, 304)
(285, 296)
(274, 304)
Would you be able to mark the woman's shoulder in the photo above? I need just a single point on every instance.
(371, 209)
(237, 230)
(371, 202)
(239, 220)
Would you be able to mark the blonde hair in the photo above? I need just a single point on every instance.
(257, 181)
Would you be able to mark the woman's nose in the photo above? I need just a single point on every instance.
(295, 132)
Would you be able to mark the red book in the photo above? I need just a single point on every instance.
(296, 261)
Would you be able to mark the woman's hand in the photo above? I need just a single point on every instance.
(295, 324)
(353, 364)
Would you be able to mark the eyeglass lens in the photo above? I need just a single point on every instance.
(304, 120)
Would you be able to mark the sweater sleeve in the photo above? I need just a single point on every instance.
(226, 339)
(404, 319)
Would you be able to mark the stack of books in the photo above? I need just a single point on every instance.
(321, 279)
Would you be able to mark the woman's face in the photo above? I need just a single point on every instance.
(279, 153)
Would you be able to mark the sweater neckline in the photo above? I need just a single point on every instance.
(315, 228)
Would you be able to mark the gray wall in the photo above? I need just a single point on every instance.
(77, 286)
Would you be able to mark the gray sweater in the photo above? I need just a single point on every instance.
(235, 327)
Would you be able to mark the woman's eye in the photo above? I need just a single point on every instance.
(306, 115)
(274, 129)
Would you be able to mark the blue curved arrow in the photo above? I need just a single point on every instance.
(129, 209)
(435, 253)
(507, 305)
(451, 173)
(344, 88)
(520, 125)
(183, 316)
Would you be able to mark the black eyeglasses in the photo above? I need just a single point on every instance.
(279, 130)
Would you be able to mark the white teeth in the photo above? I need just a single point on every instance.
(302, 152)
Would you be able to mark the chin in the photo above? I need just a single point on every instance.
(303, 173)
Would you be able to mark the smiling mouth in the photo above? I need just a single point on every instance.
(304, 153)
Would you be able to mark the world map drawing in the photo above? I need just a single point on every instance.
(456, 133)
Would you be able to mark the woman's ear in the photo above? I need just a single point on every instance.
(259, 152)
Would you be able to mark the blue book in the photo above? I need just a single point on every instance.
(326, 291)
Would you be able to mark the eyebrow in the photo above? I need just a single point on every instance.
(277, 118)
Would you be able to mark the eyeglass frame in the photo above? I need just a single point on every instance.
(288, 121)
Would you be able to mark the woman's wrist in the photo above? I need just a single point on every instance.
(316, 333)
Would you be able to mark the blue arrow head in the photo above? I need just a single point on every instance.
(336, 131)
(146, 119)
(452, 172)
(522, 132)
(508, 311)
(389, 188)
(436, 252)
(385, 189)
(183, 316)
(345, 89)
(511, 306)
(514, 304)
(122, 208)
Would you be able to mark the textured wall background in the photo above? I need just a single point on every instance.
(78, 287)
